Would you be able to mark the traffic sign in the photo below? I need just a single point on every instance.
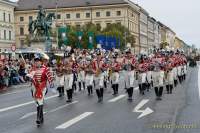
(13, 47)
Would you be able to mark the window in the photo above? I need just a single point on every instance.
(118, 13)
(107, 24)
(97, 14)
(78, 15)
(22, 43)
(30, 18)
(4, 16)
(58, 16)
(108, 13)
(9, 18)
(21, 19)
(4, 34)
(10, 35)
(87, 15)
(68, 16)
(21, 31)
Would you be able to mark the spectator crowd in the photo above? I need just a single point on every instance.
(13, 72)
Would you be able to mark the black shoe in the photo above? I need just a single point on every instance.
(130, 99)
(69, 101)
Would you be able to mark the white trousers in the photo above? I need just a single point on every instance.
(89, 79)
(68, 81)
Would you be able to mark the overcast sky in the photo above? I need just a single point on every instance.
(182, 16)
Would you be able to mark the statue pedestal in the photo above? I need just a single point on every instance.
(43, 44)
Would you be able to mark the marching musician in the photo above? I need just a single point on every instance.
(169, 78)
(115, 74)
(158, 79)
(39, 79)
(60, 79)
(81, 72)
(89, 75)
(68, 73)
(129, 65)
(99, 76)
(142, 78)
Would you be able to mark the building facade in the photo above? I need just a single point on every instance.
(143, 29)
(151, 36)
(78, 13)
(157, 35)
(170, 37)
(7, 30)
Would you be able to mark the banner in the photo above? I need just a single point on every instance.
(108, 42)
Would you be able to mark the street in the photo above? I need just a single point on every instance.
(115, 114)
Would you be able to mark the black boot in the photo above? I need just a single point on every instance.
(167, 87)
(59, 91)
(98, 95)
(79, 84)
(88, 88)
(38, 116)
(101, 92)
(116, 89)
(62, 91)
(84, 85)
(40, 119)
(41, 114)
(69, 95)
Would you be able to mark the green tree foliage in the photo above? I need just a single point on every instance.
(115, 30)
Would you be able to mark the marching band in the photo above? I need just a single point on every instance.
(98, 69)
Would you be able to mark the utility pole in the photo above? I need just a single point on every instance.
(56, 22)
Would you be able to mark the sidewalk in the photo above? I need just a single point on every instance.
(15, 87)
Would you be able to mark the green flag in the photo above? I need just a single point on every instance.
(62, 36)
(79, 35)
(91, 40)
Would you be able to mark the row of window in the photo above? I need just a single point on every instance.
(6, 17)
(4, 37)
(88, 15)
(78, 15)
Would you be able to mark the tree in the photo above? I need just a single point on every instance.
(121, 32)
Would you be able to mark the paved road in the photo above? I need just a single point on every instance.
(188, 120)
(85, 115)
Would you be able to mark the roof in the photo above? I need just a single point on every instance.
(8, 2)
(50, 4)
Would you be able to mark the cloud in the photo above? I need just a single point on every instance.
(180, 15)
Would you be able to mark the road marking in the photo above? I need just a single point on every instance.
(116, 98)
(199, 81)
(74, 120)
(51, 111)
(145, 112)
(23, 104)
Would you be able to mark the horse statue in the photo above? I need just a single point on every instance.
(42, 24)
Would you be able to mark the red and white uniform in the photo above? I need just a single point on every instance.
(129, 73)
(40, 78)
(116, 67)
(97, 66)
(69, 67)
